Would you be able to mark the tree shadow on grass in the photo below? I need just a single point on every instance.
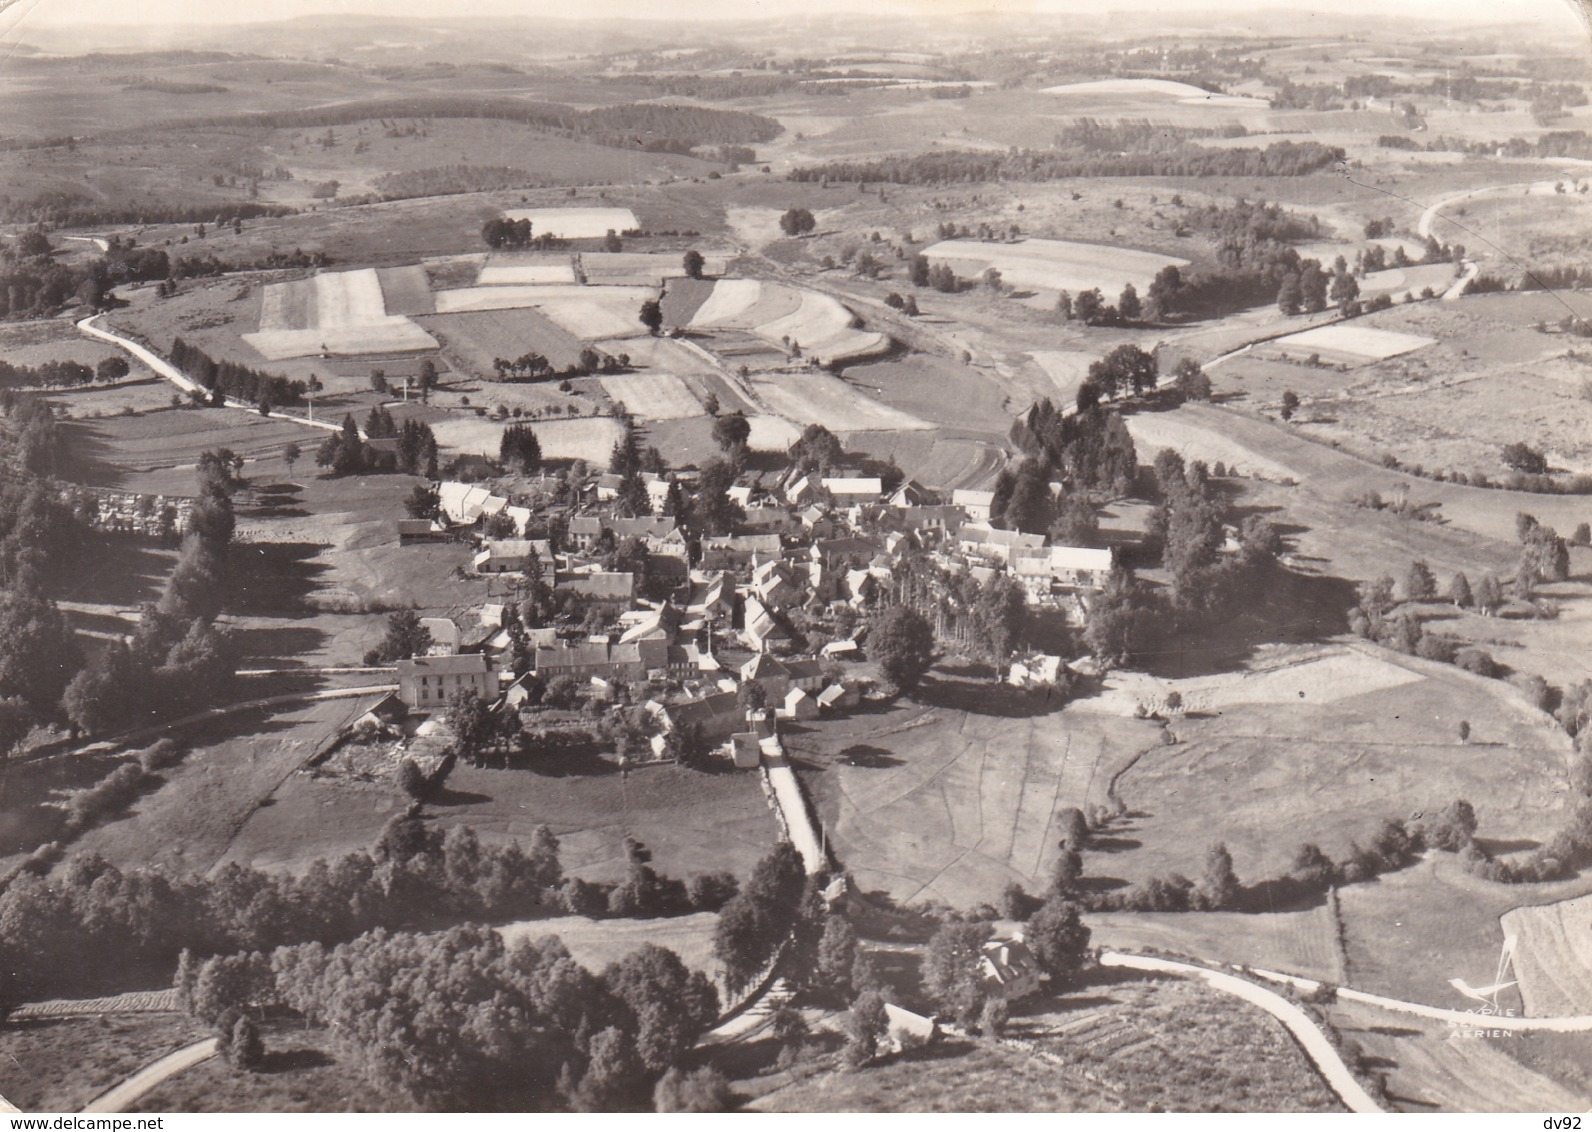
(281, 644)
(116, 570)
(293, 1060)
(274, 579)
(868, 756)
(450, 797)
(994, 699)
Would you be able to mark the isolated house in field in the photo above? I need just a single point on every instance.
(906, 1029)
(428, 681)
(976, 503)
(1007, 969)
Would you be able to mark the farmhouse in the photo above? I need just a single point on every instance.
(444, 635)
(992, 544)
(738, 552)
(847, 491)
(1008, 969)
(718, 715)
(763, 631)
(428, 681)
(511, 556)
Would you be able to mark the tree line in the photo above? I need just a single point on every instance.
(234, 379)
(1279, 159)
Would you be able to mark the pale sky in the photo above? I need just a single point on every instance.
(17, 15)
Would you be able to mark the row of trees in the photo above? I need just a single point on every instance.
(178, 660)
(235, 380)
(1279, 159)
(62, 373)
(88, 920)
(345, 452)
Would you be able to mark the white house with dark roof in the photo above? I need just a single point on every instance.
(427, 681)
(976, 503)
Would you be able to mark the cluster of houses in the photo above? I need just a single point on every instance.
(808, 543)
(153, 516)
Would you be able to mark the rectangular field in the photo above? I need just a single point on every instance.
(473, 339)
(586, 438)
(654, 396)
(1553, 956)
(576, 223)
(1053, 265)
(405, 290)
(643, 267)
(338, 312)
(396, 335)
(535, 273)
(1359, 342)
(823, 399)
(586, 312)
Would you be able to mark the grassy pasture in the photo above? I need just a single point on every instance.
(1359, 342)
(156, 452)
(472, 340)
(1296, 771)
(840, 406)
(1054, 265)
(585, 438)
(1430, 1069)
(56, 340)
(952, 801)
(1302, 942)
(1179, 1046)
(59, 1065)
(597, 943)
(304, 1071)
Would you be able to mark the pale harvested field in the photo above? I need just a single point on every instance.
(654, 396)
(596, 943)
(662, 354)
(1400, 281)
(586, 312)
(340, 312)
(644, 267)
(496, 274)
(599, 316)
(1154, 91)
(771, 434)
(1553, 956)
(827, 400)
(1333, 674)
(586, 438)
(729, 299)
(821, 325)
(1154, 431)
(1055, 264)
(575, 223)
(1360, 342)
(773, 303)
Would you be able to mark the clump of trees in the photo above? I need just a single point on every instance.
(797, 221)
(233, 379)
(346, 452)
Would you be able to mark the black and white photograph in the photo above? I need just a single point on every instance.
(795, 556)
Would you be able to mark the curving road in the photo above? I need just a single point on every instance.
(1561, 1024)
(181, 380)
(1300, 1024)
(118, 1097)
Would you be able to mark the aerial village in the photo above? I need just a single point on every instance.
(703, 637)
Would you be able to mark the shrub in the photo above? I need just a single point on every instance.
(116, 791)
(1476, 660)
(164, 753)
